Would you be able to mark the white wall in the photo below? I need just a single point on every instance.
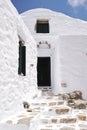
(60, 24)
(68, 48)
(14, 89)
(73, 60)
(45, 51)
(56, 72)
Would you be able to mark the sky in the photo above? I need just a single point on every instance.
(73, 8)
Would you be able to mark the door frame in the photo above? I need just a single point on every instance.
(45, 52)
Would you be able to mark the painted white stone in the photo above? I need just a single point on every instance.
(14, 89)
(13, 127)
(68, 52)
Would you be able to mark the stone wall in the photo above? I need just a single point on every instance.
(14, 89)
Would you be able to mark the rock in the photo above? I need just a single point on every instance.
(59, 109)
(60, 102)
(25, 121)
(54, 120)
(70, 97)
(29, 110)
(71, 103)
(80, 101)
(68, 120)
(73, 95)
(9, 122)
(52, 103)
(26, 105)
(49, 97)
(66, 96)
(62, 110)
(43, 103)
(58, 115)
(76, 101)
(81, 117)
(60, 96)
(80, 104)
(78, 94)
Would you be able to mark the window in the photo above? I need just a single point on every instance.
(42, 26)
(22, 59)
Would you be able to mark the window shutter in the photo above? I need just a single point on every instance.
(22, 60)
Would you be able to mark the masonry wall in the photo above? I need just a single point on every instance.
(68, 42)
(14, 89)
(60, 24)
(73, 63)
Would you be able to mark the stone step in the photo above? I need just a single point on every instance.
(58, 119)
(82, 117)
(24, 121)
(47, 103)
(68, 128)
(68, 120)
(61, 109)
(53, 103)
(83, 125)
(49, 127)
(49, 120)
(46, 92)
(52, 113)
(58, 127)
(77, 104)
(23, 118)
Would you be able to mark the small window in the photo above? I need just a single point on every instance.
(22, 59)
(42, 26)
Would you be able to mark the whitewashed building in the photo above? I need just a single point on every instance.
(51, 53)
(61, 50)
(15, 61)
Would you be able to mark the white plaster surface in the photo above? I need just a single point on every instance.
(60, 24)
(68, 52)
(72, 64)
(13, 127)
(14, 89)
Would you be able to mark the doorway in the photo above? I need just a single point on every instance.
(44, 72)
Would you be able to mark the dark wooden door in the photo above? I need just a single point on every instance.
(44, 71)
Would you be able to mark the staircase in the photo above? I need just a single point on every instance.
(51, 112)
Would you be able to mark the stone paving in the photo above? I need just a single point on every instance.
(52, 112)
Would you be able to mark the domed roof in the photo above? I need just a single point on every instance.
(62, 24)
